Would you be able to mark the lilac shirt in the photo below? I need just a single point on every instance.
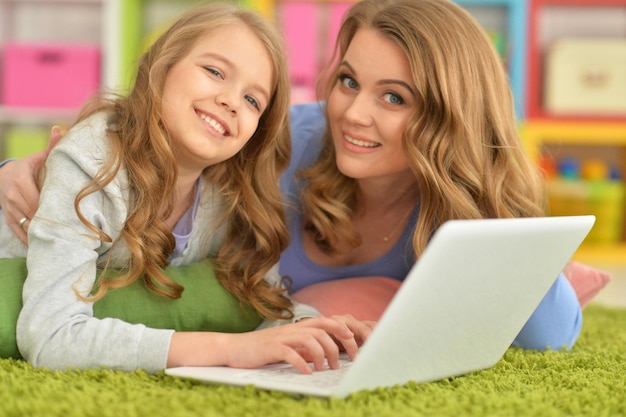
(182, 230)
(556, 322)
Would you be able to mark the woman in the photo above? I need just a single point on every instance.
(421, 129)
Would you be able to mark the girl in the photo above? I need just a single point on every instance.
(185, 167)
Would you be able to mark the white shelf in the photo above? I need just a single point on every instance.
(35, 116)
(95, 22)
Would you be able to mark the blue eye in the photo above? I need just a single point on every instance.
(348, 81)
(253, 101)
(393, 98)
(213, 71)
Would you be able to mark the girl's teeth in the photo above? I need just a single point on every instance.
(213, 123)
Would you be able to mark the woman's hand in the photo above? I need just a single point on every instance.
(19, 194)
(317, 340)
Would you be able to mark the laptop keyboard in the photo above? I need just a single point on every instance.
(289, 374)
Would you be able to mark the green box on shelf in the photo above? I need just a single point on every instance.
(602, 198)
(22, 141)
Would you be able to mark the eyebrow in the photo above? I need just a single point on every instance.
(383, 81)
(226, 61)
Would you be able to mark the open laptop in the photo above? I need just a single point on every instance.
(458, 310)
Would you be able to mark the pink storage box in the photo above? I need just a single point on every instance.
(310, 28)
(49, 75)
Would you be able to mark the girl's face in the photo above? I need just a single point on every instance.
(369, 107)
(214, 96)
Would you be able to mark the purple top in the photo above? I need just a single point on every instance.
(304, 272)
(184, 227)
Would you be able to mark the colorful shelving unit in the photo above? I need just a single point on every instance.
(514, 34)
(310, 29)
(576, 18)
(558, 135)
(135, 30)
(524, 31)
(53, 56)
(587, 133)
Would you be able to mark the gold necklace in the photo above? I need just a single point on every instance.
(399, 225)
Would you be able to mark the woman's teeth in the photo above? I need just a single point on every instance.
(362, 143)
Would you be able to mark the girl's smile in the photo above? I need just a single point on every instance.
(214, 96)
(215, 125)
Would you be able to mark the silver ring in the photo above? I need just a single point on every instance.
(22, 221)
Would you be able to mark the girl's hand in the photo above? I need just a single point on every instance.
(19, 194)
(317, 340)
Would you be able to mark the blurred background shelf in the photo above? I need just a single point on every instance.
(525, 32)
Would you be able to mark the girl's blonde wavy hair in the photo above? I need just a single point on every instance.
(461, 144)
(248, 182)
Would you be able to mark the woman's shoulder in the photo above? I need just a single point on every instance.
(307, 124)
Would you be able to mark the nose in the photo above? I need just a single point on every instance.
(228, 100)
(359, 111)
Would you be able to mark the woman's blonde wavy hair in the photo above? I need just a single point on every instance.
(248, 182)
(462, 142)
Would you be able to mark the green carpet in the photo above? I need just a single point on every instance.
(588, 381)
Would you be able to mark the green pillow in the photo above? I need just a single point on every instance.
(204, 306)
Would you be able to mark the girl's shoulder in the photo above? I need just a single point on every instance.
(90, 131)
(86, 143)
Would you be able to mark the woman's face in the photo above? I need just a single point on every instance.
(369, 107)
(215, 95)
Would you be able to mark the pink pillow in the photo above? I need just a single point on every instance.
(586, 280)
(366, 298)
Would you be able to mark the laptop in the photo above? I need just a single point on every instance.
(457, 311)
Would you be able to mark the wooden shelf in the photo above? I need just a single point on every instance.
(35, 116)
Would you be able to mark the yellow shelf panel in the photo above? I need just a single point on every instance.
(536, 133)
(601, 254)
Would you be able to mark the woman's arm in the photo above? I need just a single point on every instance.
(19, 194)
